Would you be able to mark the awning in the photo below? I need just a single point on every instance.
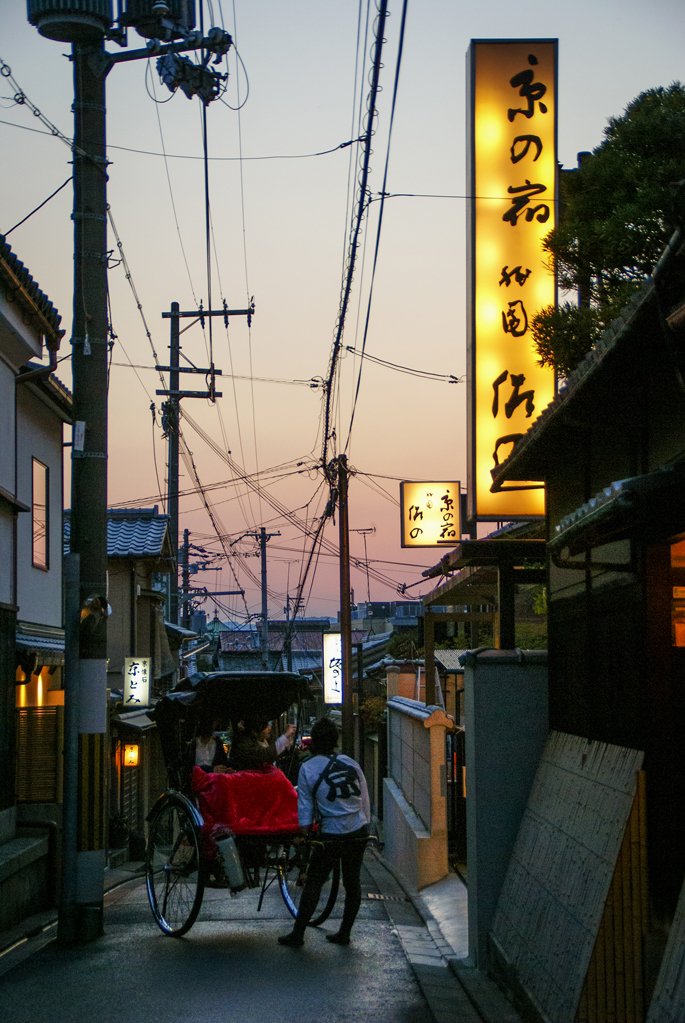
(179, 632)
(137, 719)
(649, 507)
(41, 644)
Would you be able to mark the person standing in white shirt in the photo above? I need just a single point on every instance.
(332, 791)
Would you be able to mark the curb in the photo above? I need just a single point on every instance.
(456, 992)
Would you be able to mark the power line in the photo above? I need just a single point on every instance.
(357, 222)
(314, 383)
(421, 373)
(168, 178)
(44, 203)
(400, 50)
(188, 156)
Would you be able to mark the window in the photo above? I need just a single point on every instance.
(40, 508)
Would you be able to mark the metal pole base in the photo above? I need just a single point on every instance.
(79, 924)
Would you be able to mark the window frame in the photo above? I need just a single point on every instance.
(44, 564)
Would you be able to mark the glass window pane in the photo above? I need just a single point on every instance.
(40, 515)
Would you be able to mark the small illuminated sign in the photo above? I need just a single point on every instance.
(512, 179)
(332, 668)
(131, 756)
(430, 514)
(137, 681)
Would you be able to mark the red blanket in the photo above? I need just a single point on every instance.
(248, 802)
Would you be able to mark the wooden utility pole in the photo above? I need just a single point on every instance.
(428, 658)
(171, 416)
(345, 609)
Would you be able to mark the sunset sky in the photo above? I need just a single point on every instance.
(279, 230)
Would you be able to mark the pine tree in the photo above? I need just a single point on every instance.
(618, 211)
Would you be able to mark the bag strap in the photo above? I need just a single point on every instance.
(316, 816)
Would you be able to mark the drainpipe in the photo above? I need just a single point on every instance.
(52, 345)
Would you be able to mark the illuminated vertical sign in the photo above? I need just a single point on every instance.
(512, 178)
(332, 668)
(430, 514)
(136, 681)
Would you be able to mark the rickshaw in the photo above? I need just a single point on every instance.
(179, 852)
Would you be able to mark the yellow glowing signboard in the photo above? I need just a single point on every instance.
(430, 514)
(136, 681)
(513, 175)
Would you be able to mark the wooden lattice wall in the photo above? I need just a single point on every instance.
(613, 991)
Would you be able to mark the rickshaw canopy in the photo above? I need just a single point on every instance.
(225, 697)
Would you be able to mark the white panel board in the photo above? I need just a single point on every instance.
(561, 868)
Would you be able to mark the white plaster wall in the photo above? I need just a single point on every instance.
(7, 388)
(6, 554)
(19, 342)
(39, 435)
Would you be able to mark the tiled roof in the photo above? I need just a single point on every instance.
(20, 272)
(449, 659)
(233, 641)
(131, 532)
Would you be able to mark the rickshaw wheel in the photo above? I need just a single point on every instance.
(291, 877)
(175, 882)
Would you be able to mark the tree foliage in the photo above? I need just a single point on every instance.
(618, 211)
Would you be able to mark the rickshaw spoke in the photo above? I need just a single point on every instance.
(174, 879)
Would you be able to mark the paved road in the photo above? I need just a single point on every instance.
(229, 968)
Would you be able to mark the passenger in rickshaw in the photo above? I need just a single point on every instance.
(253, 748)
(251, 795)
(206, 750)
(332, 792)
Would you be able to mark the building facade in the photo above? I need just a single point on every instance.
(34, 407)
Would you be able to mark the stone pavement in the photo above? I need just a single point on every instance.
(229, 968)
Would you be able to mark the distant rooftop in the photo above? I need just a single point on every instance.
(131, 532)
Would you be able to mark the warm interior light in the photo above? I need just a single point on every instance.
(131, 754)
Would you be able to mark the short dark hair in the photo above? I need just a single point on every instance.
(256, 724)
(324, 736)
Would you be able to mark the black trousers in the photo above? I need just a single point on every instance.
(348, 850)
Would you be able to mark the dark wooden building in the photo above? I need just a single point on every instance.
(611, 450)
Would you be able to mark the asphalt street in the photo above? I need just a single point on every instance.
(228, 968)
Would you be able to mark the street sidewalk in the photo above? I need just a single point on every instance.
(34, 932)
(455, 991)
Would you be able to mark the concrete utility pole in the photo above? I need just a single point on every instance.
(345, 609)
(265, 610)
(264, 538)
(185, 579)
(85, 24)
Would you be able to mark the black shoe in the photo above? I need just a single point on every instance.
(292, 940)
(338, 939)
